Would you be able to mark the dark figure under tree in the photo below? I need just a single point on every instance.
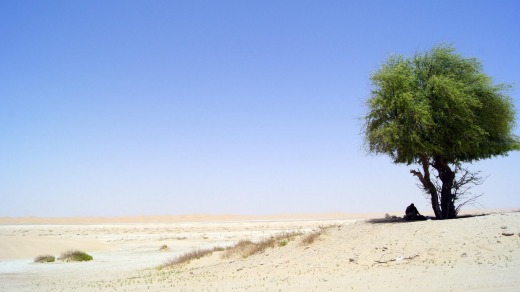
(412, 214)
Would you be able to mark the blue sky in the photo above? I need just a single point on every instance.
(117, 108)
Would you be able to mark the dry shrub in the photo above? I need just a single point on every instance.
(164, 247)
(243, 248)
(189, 256)
(311, 237)
(315, 234)
(246, 248)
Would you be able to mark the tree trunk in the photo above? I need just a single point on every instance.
(428, 186)
(443, 206)
(447, 177)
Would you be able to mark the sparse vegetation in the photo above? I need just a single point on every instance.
(187, 257)
(164, 247)
(311, 237)
(315, 234)
(244, 248)
(75, 256)
(45, 259)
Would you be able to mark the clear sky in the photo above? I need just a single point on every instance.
(119, 108)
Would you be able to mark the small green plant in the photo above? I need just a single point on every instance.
(282, 243)
(75, 256)
(45, 259)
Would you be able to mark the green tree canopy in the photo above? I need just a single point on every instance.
(438, 108)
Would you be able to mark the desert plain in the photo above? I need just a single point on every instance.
(351, 252)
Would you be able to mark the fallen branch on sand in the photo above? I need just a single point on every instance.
(396, 259)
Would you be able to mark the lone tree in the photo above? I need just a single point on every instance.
(438, 109)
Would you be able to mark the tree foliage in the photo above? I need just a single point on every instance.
(435, 109)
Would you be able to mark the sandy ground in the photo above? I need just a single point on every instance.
(354, 254)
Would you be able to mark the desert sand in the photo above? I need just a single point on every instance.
(352, 253)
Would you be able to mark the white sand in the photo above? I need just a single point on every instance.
(462, 254)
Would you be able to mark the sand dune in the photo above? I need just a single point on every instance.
(476, 253)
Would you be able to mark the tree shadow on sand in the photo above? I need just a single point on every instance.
(395, 219)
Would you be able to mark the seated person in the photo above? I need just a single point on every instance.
(413, 214)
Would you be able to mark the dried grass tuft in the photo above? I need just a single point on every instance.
(164, 247)
(189, 256)
(246, 248)
(311, 237)
(243, 248)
